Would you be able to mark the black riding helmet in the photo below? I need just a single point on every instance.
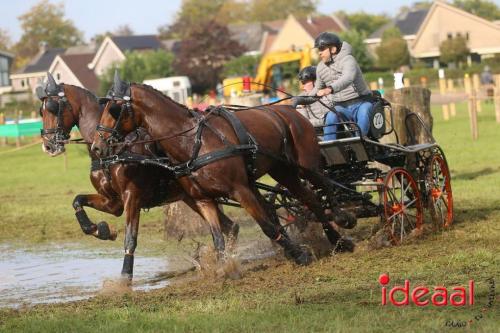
(307, 74)
(327, 39)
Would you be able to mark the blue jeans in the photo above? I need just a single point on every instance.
(358, 112)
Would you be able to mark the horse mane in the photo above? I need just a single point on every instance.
(87, 92)
(162, 95)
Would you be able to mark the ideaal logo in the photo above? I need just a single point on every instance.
(439, 296)
(458, 296)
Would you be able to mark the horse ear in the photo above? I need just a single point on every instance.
(52, 87)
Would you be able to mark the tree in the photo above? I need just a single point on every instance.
(99, 38)
(483, 8)
(359, 50)
(5, 41)
(363, 22)
(242, 65)
(139, 66)
(269, 10)
(46, 22)
(393, 50)
(191, 14)
(123, 30)
(195, 12)
(204, 52)
(454, 50)
(416, 6)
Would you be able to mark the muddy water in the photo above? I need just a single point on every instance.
(63, 273)
(30, 276)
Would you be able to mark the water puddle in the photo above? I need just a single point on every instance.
(67, 274)
(64, 273)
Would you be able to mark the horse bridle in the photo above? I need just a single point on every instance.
(60, 135)
(115, 132)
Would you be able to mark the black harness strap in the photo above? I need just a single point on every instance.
(244, 137)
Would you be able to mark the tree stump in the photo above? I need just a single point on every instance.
(404, 101)
(181, 221)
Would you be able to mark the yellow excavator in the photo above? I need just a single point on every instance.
(236, 86)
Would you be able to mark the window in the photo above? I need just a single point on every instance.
(4, 65)
(450, 35)
(23, 83)
(467, 35)
(58, 76)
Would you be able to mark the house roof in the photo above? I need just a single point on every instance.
(42, 61)
(318, 24)
(6, 54)
(408, 23)
(249, 35)
(275, 25)
(268, 42)
(137, 42)
(77, 63)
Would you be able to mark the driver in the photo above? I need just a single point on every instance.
(338, 75)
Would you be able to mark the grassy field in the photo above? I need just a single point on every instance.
(339, 293)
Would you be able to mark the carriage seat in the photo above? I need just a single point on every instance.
(343, 151)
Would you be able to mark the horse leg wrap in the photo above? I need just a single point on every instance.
(301, 256)
(128, 266)
(345, 219)
(87, 226)
(332, 234)
(104, 232)
(79, 201)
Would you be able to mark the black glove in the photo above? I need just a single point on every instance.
(303, 100)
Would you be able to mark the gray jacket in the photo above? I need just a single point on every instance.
(343, 75)
(316, 111)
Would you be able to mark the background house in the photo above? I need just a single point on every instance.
(444, 21)
(73, 69)
(112, 50)
(300, 33)
(408, 23)
(257, 37)
(27, 78)
(5, 63)
(425, 30)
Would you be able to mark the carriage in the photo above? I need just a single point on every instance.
(351, 177)
(369, 178)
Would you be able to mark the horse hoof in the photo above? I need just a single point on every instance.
(104, 232)
(304, 259)
(346, 220)
(345, 245)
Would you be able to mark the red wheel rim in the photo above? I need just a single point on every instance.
(440, 194)
(403, 209)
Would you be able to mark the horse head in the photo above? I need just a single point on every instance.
(117, 119)
(57, 115)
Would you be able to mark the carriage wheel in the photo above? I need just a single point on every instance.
(403, 212)
(439, 191)
(289, 210)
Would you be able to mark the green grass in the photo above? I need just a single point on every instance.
(335, 294)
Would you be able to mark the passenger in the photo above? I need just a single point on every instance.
(316, 111)
(338, 75)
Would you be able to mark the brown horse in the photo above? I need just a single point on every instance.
(287, 149)
(122, 187)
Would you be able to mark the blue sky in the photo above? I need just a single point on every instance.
(144, 16)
